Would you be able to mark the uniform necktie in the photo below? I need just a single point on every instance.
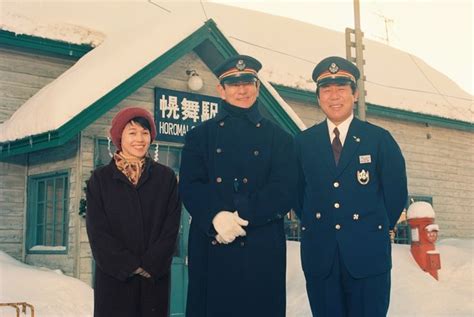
(336, 146)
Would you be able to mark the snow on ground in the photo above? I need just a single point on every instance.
(50, 292)
(414, 293)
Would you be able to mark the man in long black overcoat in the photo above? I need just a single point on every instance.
(237, 180)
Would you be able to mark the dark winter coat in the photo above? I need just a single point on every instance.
(245, 163)
(342, 210)
(131, 227)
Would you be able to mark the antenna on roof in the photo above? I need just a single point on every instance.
(162, 8)
(387, 21)
(204, 10)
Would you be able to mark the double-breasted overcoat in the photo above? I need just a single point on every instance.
(238, 161)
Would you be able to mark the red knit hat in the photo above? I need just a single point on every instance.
(123, 117)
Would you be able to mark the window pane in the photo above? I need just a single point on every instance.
(170, 156)
(59, 201)
(49, 202)
(39, 235)
(102, 156)
(48, 235)
(40, 214)
(40, 192)
(58, 236)
(51, 211)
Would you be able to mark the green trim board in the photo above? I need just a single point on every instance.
(42, 45)
(400, 114)
(381, 111)
(296, 94)
(208, 31)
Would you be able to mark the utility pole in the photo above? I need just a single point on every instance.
(358, 59)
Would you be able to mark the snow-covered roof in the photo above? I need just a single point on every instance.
(130, 35)
(420, 209)
(127, 47)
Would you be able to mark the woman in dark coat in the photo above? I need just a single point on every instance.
(133, 214)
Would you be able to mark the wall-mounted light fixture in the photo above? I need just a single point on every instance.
(195, 82)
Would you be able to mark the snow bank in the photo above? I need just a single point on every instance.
(50, 292)
(414, 292)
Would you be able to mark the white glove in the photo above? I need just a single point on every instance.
(220, 240)
(228, 226)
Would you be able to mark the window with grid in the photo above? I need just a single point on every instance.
(47, 224)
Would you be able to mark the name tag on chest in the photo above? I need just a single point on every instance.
(365, 159)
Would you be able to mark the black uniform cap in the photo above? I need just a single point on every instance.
(335, 69)
(238, 68)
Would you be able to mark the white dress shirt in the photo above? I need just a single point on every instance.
(342, 127)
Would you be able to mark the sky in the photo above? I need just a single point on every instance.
(438, 31)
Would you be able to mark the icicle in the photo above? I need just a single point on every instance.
(108, 147)
(156, 152)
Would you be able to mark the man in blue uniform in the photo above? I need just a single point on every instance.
(352, 190)
(238, 180)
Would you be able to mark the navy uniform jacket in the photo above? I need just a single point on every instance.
(336, 208)
(244, 163)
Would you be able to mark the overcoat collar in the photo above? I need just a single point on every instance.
(253, 114)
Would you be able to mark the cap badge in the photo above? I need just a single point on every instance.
(333, 68)
(240, 65)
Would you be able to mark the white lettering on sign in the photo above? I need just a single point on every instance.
(169, 128)
(169, 108)
(190, 109)
(209, 110)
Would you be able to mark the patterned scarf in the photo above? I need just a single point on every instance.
(131, 167)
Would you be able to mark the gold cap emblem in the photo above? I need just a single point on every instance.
(240, 65)
(333, 68)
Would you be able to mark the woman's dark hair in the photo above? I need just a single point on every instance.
(141, 122)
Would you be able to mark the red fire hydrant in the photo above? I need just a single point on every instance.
(424, 233)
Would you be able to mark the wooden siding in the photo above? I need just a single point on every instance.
(12, 202)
